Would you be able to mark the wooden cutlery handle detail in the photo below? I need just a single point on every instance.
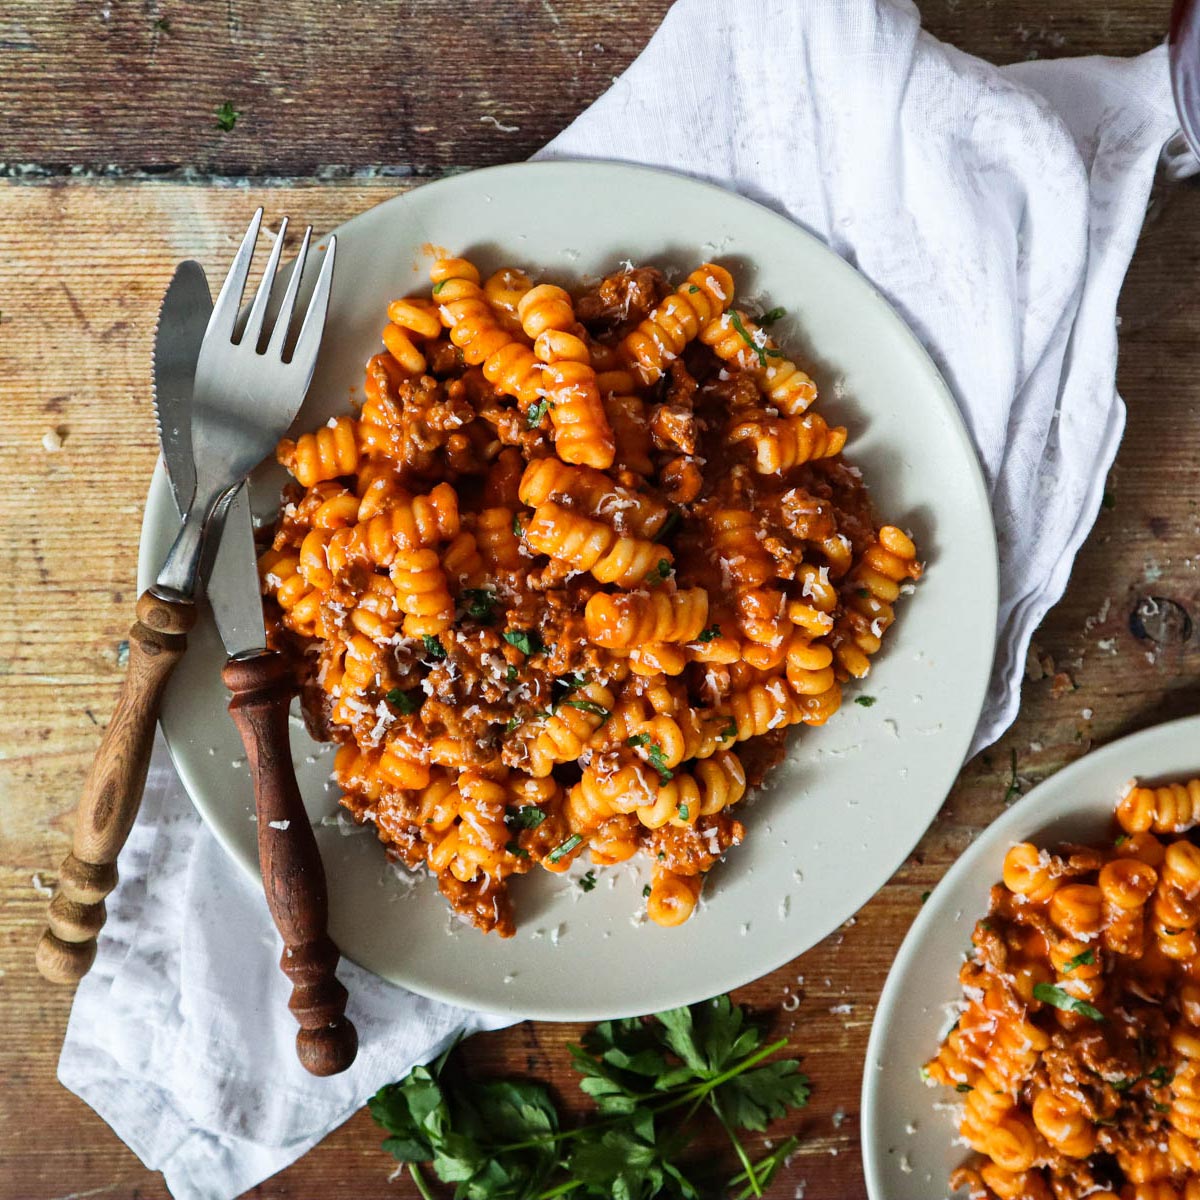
(293, 876)
(112, 791)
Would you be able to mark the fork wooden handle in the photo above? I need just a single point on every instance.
(293, 876)
(112, 791)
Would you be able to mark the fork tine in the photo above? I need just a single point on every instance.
(225, 311)
(305, 355)
(284, 319)
(258, 310)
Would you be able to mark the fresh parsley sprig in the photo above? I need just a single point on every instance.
(504, 1140)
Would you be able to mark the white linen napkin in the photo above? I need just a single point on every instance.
(996, 208)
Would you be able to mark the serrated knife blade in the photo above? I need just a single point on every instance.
(182, 321)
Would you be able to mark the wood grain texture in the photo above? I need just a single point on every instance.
(340, 89)
(261, 688)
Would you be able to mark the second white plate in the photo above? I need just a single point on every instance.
(841, 814)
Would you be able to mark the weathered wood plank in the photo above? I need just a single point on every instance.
(420, 89)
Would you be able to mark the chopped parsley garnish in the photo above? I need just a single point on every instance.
(570, 682)
(588, 881)
(1161, 1108)
(528, 641)
(227, 117)
(517, 851)
(433, 647)
(659, 573)
(510, 676)
(511, 724)
(864, 593)
(730, 731)
(669, 525)
(710, 634)
(637, 739)
(646, 890)
(517, 530)
(772, 315)
(437, 287)
(528, 816)
(737, 324)
(1047, 993)
(1122, 838)
(1084, 959)
(684, 812)
(693, 288)
(1014, 784)
(1109, 500)
(406, 702)
(865, 701)
(533, 418)
(963, 1087)
(563, 850)
(658, 760)
(925, 896)
(1160, 1076)
(481, 604)
(1120, 1085)
(597, 710)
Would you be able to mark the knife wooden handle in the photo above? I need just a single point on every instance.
(112, 791)
(293, 876)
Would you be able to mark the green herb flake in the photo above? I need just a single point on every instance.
(963, 1087)
(560, 852)
(588, 882)
(865, 701)
(684, 812)
(658, 760)
(517, 530)
(511, 724)
(1085, 958)
(674, 517)
(863, 593)
(516, 850)
(527, 816)
(481, 604)
(1057, 997)
(646, 892)
(533, 418)
(510, 675)
(528, 641)
(163, 25)
(659, 573)
(772, 315)
(433, 647)
(1122, 838)
(1109, 500)
(710, 634)
(1014, 784)
(1160, 1076)
(692, 288)
(1120, 1085)
(737, 324)
(637, 739)
(730, 731)
(1161, 1108)
(596, 710)
(227, 117)
(406, 702)
(925, 896)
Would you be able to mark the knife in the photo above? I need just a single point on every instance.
(113, 788)
(293, 877)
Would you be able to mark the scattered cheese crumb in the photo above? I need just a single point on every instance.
(40, 886)
(279, 824)
(52, 440)
(488, 119)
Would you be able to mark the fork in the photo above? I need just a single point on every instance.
(243, 401)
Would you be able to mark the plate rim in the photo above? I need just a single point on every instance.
(987, 598)
(929, 915)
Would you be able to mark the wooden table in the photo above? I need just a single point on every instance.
(114, 169)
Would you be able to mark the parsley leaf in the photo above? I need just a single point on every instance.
(533, 418)
(646, 892)
(963, 1087)
(684, 812)
(659, 573)
(517, 850)
(1014, 784)
(1084, 959)
(710, 634)
(481, 603)
(528, 641)
(597, 710)
(772, 315)
(227, 117)
(637, 739)
(865, 701)
(669, 525)
(510, 675)
(560, 852)
(1047, 993)
(512, 723)
(527, 816)
(730, 731)
(658, 760)
(588, 882)
(692, 288)
(406, 702)
(433, 647)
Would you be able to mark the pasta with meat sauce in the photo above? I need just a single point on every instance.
(567, 578)
(1077, 1051)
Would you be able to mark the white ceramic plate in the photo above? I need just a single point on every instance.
(908, 1150)
(844, 811)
